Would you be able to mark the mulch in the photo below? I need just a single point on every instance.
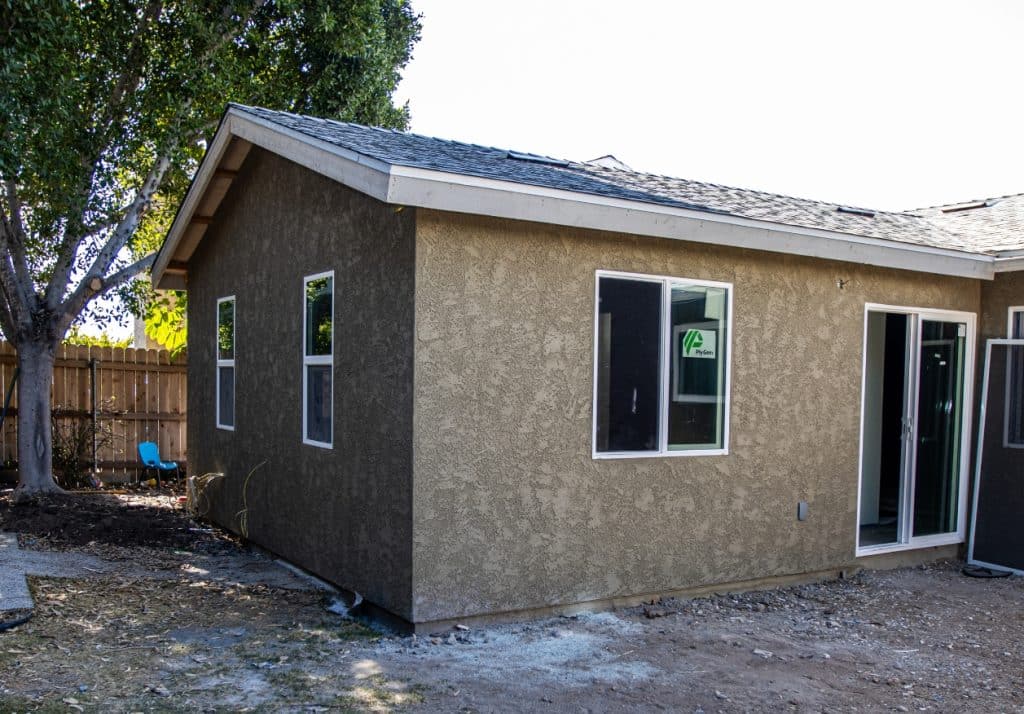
(70, 520)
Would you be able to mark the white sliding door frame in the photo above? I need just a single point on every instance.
(906, 539)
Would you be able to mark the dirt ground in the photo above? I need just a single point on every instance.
(200, 629)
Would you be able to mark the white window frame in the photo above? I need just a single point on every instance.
(665, 381)
(1010, 313)
(226, 362)
(310, 360)
(915, 315)
(1007, 442)
(979, 454)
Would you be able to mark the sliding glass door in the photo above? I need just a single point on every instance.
(939, 427)
(914, 430)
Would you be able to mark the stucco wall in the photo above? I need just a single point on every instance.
(997, 297)
(343, 513)
(510, 510)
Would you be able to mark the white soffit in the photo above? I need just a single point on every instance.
(409, 186)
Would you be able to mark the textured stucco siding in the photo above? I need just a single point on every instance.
(344, 513)
(511, 511)
(997, 297)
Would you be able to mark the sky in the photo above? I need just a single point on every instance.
(888, 105)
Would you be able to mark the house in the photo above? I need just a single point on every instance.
(464, 381)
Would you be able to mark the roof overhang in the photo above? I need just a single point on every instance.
(439, 190)
(1009, 262)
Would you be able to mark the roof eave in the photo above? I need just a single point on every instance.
(1009, 262)
(244, 130)
(462, 193)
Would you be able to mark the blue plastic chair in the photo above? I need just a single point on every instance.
(149, 455)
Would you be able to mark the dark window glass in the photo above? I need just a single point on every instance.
(226, 329)
(696, 404)
(226, 401)
(319, 316)
(318, 403)
(628, 379)
(939, 410)
(1015, 395)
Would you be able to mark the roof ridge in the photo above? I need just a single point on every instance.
(970, 200)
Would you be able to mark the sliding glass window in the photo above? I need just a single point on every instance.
(662, 366)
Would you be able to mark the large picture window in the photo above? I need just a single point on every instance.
(661, 380)
(318, 360)
(226, 363)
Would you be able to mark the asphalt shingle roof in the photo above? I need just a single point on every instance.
(991, 225)
(930, 227)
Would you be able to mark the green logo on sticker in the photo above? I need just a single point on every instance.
(692, 341)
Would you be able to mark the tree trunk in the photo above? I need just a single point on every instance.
(35, 442)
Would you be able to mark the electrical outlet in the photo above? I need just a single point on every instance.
(801, 511)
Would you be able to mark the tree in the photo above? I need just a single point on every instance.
(105, 109)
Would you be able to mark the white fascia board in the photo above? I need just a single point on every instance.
(1009, 264)
(362, 173)
(505, 199)
(214, 153)
(359, 172)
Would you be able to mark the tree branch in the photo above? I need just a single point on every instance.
(98, 286)
(12, 311)
(119, 238)
(7, 323)
(16, 237)
(18, 300)
(126, 84)
(15, 305)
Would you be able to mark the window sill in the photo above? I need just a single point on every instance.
(223, 427)
(612, 455)
(318, 444)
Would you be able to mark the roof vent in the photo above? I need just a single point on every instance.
(608, 161)
(971, 206)
(535, 159)
(856, 211)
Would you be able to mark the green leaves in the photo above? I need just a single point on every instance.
(92, 92)
(165, 321)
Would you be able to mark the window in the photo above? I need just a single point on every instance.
(226, 363)
(1014, 436)
(661, 374)
(318, 360)
(1015, 326)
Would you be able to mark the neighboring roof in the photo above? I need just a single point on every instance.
(991, 225)
(410, 169)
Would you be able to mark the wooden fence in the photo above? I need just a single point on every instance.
(140, 395)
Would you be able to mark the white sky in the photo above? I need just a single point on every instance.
(891, 105)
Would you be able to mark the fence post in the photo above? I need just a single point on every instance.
(95, 423)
